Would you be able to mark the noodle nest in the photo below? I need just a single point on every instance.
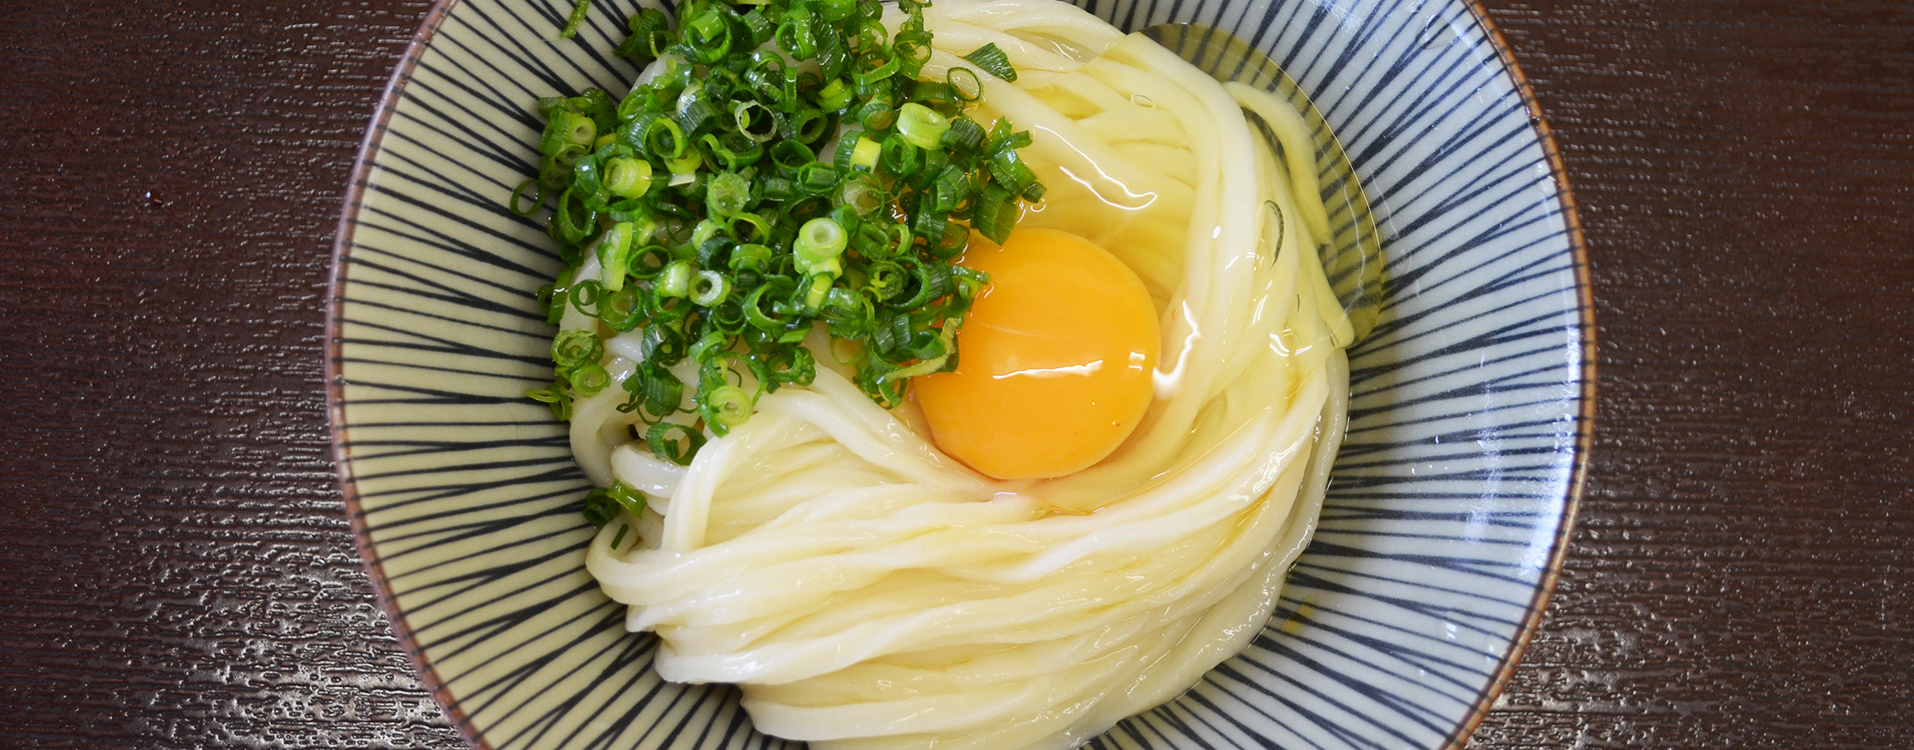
(867, 591)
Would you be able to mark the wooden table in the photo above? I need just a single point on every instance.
(176, 566)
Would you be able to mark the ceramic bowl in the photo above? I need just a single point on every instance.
(1438, 544)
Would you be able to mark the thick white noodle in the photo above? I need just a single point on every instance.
(867, 591)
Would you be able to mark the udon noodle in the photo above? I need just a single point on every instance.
(867, 591)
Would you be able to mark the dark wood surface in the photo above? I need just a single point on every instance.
(176, 571)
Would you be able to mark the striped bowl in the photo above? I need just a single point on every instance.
(1438, 544)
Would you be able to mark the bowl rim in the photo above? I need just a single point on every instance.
(1585, 420)
(357, 183)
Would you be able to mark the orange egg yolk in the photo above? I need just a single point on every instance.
(1054, 360)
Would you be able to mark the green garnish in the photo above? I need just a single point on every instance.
(579, 9)
(602, 504)
(722, 235)
(993, 61)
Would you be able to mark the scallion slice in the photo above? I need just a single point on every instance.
(922, 126)
(993, 61)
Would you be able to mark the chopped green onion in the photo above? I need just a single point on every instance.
(876, 67)
(624, 310)
(933, 93)
(1011, 172)
(865, 153)
(835, 95)
(630, 499)
(670, 310)
(935, 159)
(951, 189)
(862, 195)
(933, 282)
(573, 220)
(945, 344)
(674, 442)
(662, 345)
(819, 244)
(964, 133)
(709, 288)
(805, 125)
(518, 195)
(567, 128)
(819, 287)
(876, 114)
(816, 178)
(725, 407)
(929, 224)
(999, 137)
(654, 135)
(912, 49)
(721, 236)
(757, 21)
(727, 194)
(589, 379)
(747, 227)
(676, 280)
(705, 230)
(653, 390)
(579, 8)
(573, 349)
(970, 282)
(753, 258)
(955, 240)
(994, 216)
(687, 162)
(712, 252)
(833, 58)
(774, 287)
(556, 397)
(921, 126)
(792, 365)
(887, 280)
(993, 61)
(756, 121)
(901, 158)
(707, 37)
(964, 84)
(600, 508)
(735, 150)
(794, 36)
(645, 27)
(586, 296)
(647, 262)
(614, 254)
(627, 178)
(836, 10)
(902, 233)
(789, 155)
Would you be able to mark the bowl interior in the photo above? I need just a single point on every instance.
(1439, 539)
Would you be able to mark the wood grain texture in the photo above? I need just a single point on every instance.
(177, 568)
(177, 572)
(1741, 576)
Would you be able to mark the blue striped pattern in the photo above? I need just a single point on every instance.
(1443, 522)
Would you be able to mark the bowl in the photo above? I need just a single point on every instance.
(1445, 521)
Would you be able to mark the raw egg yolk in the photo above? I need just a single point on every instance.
(1054, 361)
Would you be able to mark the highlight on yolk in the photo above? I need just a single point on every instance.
(1054, 361)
